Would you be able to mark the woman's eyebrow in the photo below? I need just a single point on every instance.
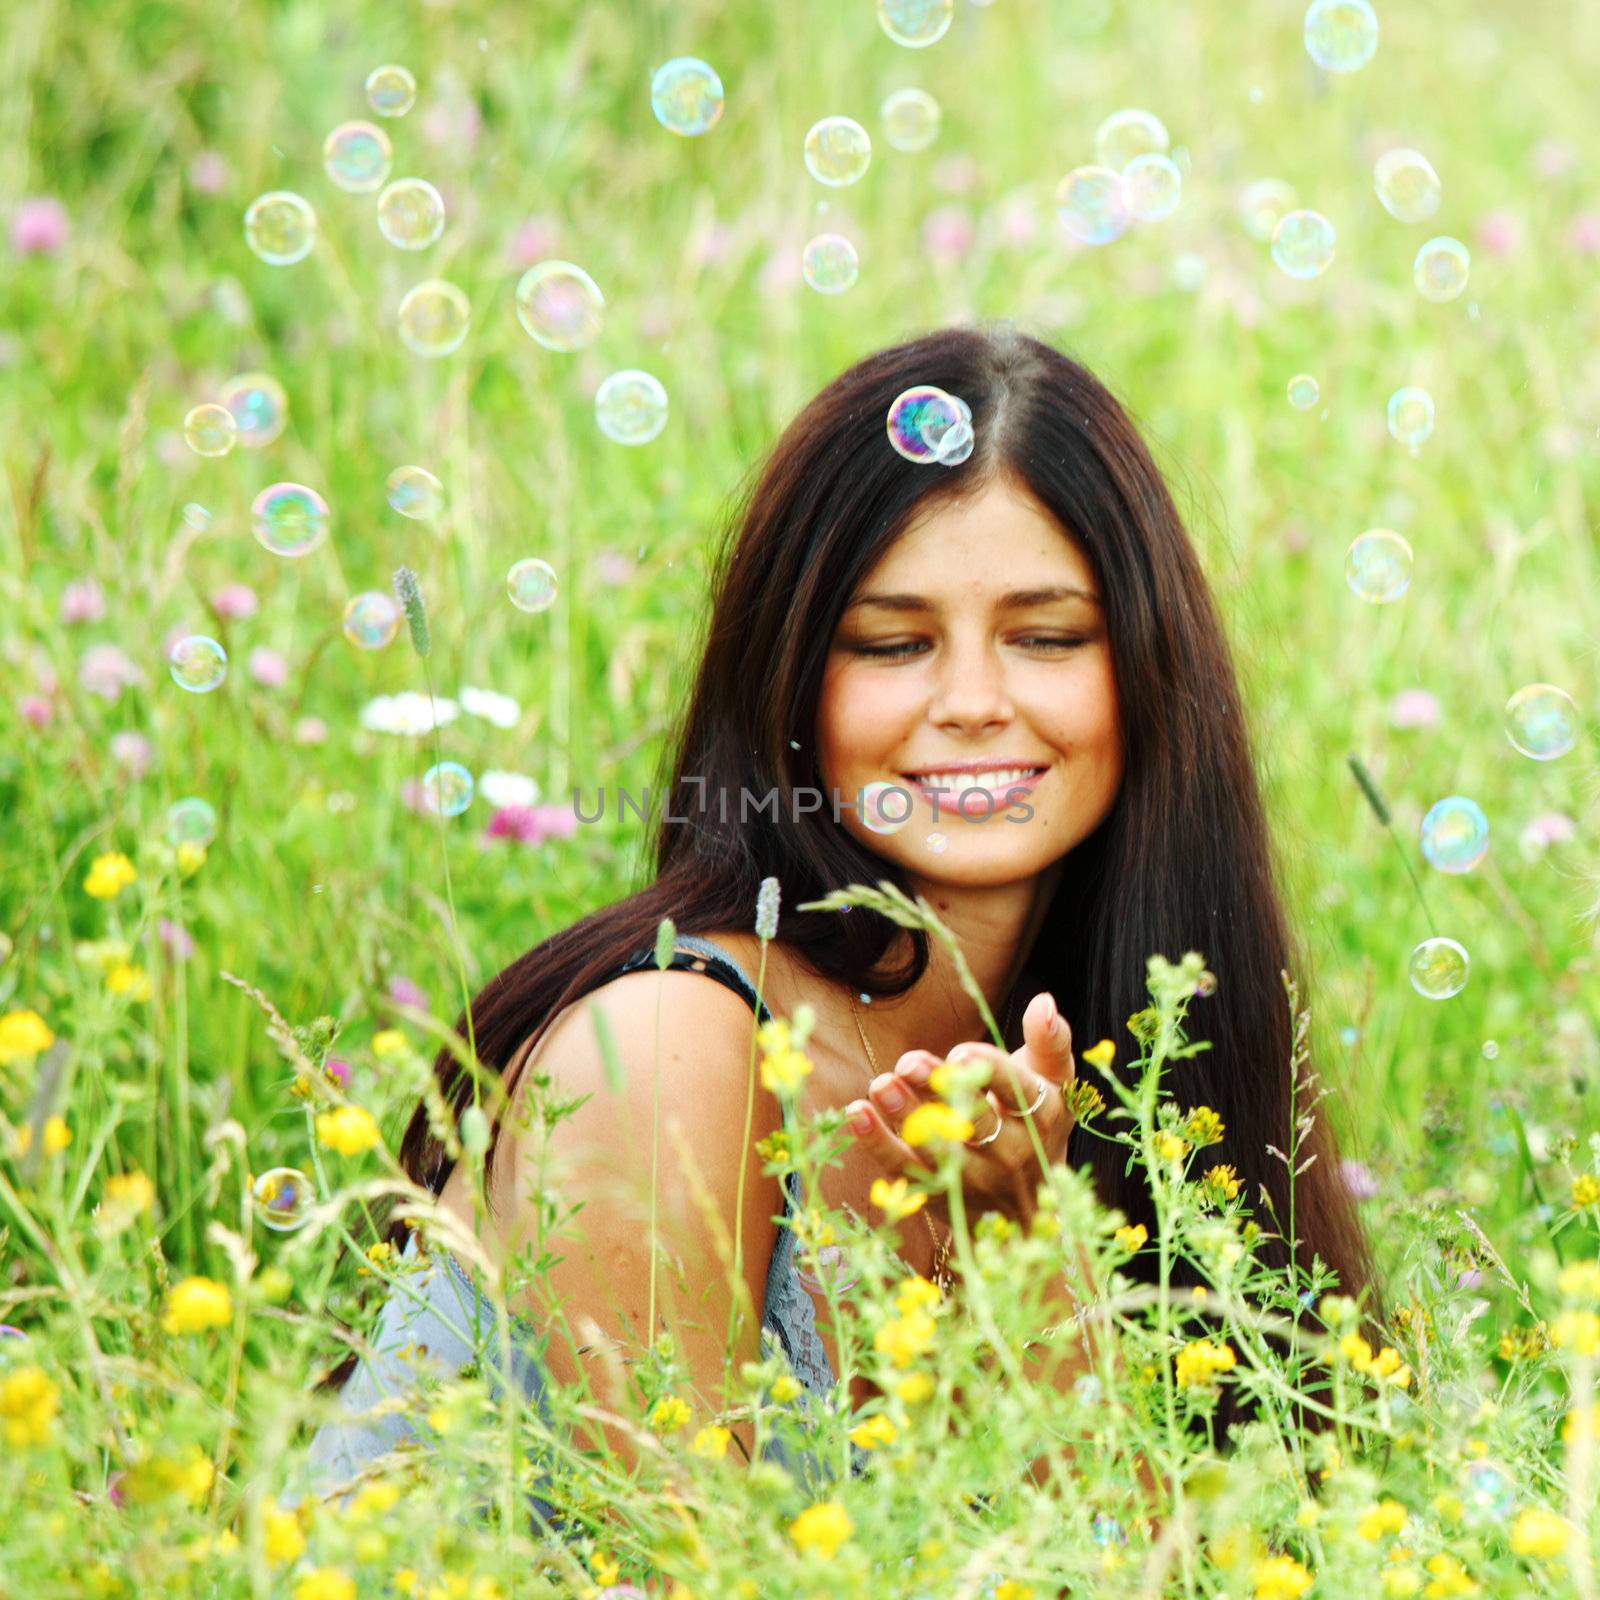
(1006, 602)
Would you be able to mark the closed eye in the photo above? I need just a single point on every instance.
(1034, 641)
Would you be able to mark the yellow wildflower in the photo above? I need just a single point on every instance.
(874, 1431)
(1224, 1180)
(1447, 1504)
(933, 1119)
(325, 1583)
(29, 1400)
(196, 1304)
(1012, 1590)
(23, 1033)
(127, 979)
(1101, 1055)
(1279, 1578)
(1307, 1514)
(190, 857)
(380, 1254)
(892, 1198)
(1538, 1532)
(1580, 1281)
(405, 1580)
(1569, 1427)
(57, 1135)
(1170, 1147)
(128, 1195)
(109, 875)
(1388, 1516)
(1400, 1582)
(915, 1388)
(605, 1568)
(1132, 1239)
(282, 1537)
(1200, 1361)
(822, 1528)
(905, 1338)
(668, 1413)
(1204, 1126)
(785, 1070)
(390, 1044)
(373, 1499)
(784, 1388)
(347, 1129)
(914, 1293)
(712, 1442)
(1449, 1578)
(1577, 1330)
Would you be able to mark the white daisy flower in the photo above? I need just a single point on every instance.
(408, 712)
(500, 709)
(509, 789)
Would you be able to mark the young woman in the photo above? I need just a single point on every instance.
(1031, 621)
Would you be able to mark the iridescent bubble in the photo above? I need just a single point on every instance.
(1406, 185)
(289, 519)
(955, 443)
(411, 213)
(1411, 415)
(686, 96)
(1151, 187)
(829, 263)
(191, 821)
(837, 151)
(914, 410)
(371, 619)
(447, 788)
(280, 227)
(1488, 1493)
(631, 407)
(281, 1198)
(1341, 35)
(910, 119)
(259, 407)
(1440, 270)
(1302, 243)
(531, 583)
(560, 305)
(198, 664)
(391, 91)
(209, 430)
(1455, 834)
(827, 1271)
(1089, 204)
(916, 23)
(195, 516)
(885, 807)
(1490, 1050)
(414, 492)
(1106, 1530)
(433, 318)
(937, 843)
(1541, 721)
(1438, 969)
(1127, 134)
(1304, 391)
(1264, 204)
(1378, 566)
(357, 157)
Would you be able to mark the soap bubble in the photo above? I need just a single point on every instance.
(1106, 1530)
(531, 583)
(1304, 391)
(1455, 834)
(826, 1270)
(631, 407)
(209, 430)
(686, 96)
(1541, 721)
(910, 119)
(560, 305)
(955, 444)
(838, 151)
(1263, 205)
(371, 619)
(281, 1198)
(1439, 969)
(916, 23)
(937, 843)
(259, 407)
(433, 318)
(1151, 187)
(885, 807)
(1302, 243)
(1488, 1493)
(1378, 566)
(1126, 134)
(191, 821)
(829, 263)
(414, 492)
(198, 664)
(411, 213)
(1440, 270)
(447, 788)
(1341, 35)
(1089, 204)
(357, 157)
(1406, 185)
(917, 413)
(289, 519)
(391, 91)
(195, 516)
(280, 227)
(1411, 415)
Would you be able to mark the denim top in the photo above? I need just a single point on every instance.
(432, 1315)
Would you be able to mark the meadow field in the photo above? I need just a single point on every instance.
(236, 920)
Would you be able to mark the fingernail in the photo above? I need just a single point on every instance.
(893, 1098)
(860, 1119)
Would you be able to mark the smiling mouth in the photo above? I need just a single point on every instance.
(954, 783)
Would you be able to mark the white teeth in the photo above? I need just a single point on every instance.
(998, 778)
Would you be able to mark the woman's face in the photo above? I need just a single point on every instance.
(951, 652)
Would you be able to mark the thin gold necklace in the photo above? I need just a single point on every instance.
(941, 1247)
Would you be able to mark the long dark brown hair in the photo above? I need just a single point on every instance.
(1181, 862)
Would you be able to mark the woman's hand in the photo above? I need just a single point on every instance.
(1004, 1174)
